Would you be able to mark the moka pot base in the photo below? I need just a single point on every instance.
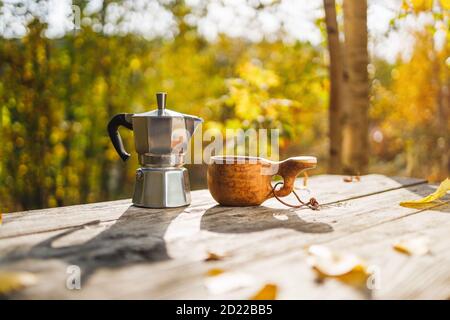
(165, 187)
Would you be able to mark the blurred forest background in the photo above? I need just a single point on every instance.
(321, 76)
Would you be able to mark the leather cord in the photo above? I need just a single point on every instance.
(312, 203)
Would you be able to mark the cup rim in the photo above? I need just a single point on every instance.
(228, 159)
(224, 159)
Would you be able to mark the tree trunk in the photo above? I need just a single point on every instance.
(336, 87)
(355, 134)
(442, 118)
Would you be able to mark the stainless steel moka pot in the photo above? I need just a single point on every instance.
(161, 138)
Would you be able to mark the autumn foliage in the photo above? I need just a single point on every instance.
(57, 95)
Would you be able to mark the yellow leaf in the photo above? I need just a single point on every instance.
(258, 76)
(345, 267)
(416, 246)
(332, 263)
(445, 4)
(12, 281)
(439, 193)
(422, 5)
(135, 64)
(405, 5)
(214, 272)
(268, 292)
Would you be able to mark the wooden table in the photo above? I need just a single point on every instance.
(129, 252)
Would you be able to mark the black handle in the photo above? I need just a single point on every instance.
(113, 130)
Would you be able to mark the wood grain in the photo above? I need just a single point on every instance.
(129, 252)
(326, 188)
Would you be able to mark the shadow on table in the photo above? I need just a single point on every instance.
(254, 219)
(137, 236)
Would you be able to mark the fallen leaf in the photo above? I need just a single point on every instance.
(413, 247)
(439, 193)
(214, 272)
(219, 281)
(12, 281)
(212, 256)
(332, 263)
(346, 267)
(268, 292)
(356, 178)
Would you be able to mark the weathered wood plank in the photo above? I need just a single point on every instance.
(35, 221)
(401, 276)
(169, 247)
(326, 188)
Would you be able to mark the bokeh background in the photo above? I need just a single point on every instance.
(364, 86)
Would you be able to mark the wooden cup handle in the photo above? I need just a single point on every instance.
(289, 170)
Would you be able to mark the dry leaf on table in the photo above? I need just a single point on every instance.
(413, 247)
(213, 256)
(439, 193)
(12, 281)
(345, 267)
(352, 178)
(268, 292)
(214, 272)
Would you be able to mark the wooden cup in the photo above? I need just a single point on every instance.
(246, 181)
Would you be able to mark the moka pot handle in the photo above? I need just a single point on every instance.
(121, 119)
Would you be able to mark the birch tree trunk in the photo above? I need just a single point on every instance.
(355, 148)
(336, 87)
